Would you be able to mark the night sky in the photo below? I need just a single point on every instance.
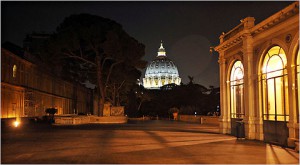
(187, 29)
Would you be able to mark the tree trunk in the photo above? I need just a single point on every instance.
(100, 85)
(140, 106)
(114, 95)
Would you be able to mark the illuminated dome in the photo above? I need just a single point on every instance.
(161, 71)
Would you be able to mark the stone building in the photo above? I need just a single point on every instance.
(161, 71)
(259, 77)
(28, 87)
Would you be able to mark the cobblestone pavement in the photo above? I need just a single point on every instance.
(143, 142)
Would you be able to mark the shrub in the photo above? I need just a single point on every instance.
(51, 111)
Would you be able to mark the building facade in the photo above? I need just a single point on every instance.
(259, 77)
(161, 71)
(27, 89)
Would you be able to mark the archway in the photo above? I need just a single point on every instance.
(237, 111)
(298, 84)
(275, 96)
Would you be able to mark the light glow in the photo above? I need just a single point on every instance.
(237, 90)
(298, 83)
(14, 71)
(275, 92)
(16, 123)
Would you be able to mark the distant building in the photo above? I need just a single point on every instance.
(161, 71)
(259, 78)
(28, 88)
(34, 42)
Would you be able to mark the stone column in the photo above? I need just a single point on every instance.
(249, 86)
(166, 79)
(224, 120)
(292, 124)
(152, 82)
(159, 82)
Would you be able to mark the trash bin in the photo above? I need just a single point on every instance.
(240, 129)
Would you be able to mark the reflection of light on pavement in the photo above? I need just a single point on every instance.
(278, 155)
(270, 154)
(160, 141)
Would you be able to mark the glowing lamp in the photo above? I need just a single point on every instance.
(16, 123)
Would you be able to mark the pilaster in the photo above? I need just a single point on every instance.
(225, 126)
(293, 133)
(249, 87)
(292, 124)
(259, 132)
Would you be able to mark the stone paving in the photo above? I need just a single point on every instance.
(143, 142)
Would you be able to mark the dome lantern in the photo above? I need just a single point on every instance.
(161, 50)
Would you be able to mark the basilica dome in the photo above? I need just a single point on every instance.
(161, 71)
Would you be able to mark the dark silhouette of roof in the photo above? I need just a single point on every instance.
(15, 49)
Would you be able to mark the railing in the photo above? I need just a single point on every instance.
(234, 31)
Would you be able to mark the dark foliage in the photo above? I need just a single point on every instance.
(51, 111)
(96, 49)
(188, 98)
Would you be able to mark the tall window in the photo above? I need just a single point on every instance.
(237, 90)
(298, 84)
(275, 85)
(14, 71)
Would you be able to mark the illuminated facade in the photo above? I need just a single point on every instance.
(161, 71)
(259, 77)
(27, 89)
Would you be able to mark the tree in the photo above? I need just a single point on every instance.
(191, 80)
(143, 97)
(96, 46)
(51, 112)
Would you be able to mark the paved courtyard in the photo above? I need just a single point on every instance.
(143, 142)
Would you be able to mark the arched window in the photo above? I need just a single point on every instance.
(298, 84)
(237, 90)
(275, 85)
(14, 71)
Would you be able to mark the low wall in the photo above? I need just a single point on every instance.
(199, 119)
(108, 119)
(189, 118)
(73, 120)
(140, 118)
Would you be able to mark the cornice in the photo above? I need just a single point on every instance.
(276, 18)
(236, 39)
(268, 23)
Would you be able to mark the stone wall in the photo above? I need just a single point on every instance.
(73, 120)
(199, 119)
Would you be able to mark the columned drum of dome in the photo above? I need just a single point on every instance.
(161, 71)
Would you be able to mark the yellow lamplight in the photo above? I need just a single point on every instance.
(16, 123)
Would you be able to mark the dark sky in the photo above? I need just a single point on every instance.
(187, 29)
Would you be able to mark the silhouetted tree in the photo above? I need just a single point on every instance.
(92, 47)
(191, 79)
(51, 112)
(190, 98)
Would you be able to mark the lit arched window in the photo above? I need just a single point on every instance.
(275, 85)
(237, 90)
(298, 84)
(14, 71)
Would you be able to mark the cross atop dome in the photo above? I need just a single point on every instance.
(161, 50)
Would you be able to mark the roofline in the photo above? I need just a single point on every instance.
(239, 32)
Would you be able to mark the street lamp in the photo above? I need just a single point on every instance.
(16, 123)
